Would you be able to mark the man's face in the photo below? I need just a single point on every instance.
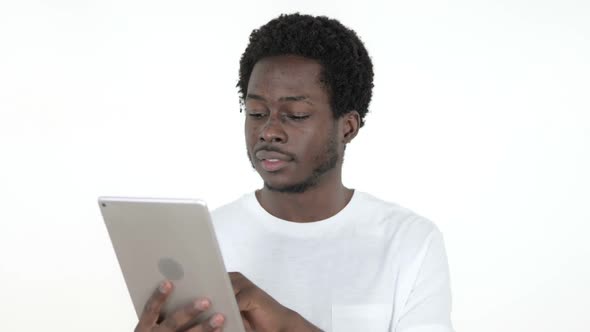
(291, 134)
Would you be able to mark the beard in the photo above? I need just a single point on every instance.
(325, 161)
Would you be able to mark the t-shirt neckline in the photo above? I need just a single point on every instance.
(320, 227)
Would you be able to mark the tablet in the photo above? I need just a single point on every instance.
(156, 239)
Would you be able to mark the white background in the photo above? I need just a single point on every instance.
(480, 122)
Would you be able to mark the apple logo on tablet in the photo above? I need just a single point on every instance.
(170, 268)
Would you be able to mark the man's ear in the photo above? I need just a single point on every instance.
(351, 122)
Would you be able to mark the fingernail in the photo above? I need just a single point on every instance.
(216, 321)
(202, 304)
(164, 286)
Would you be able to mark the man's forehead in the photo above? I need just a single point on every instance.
(295, 76)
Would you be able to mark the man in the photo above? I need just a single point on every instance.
(312, 254)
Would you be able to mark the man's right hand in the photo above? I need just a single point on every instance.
(176, 321)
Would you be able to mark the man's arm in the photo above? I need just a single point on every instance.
(301, 324)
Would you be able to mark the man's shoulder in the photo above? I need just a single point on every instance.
(391, 215)
(230, 210)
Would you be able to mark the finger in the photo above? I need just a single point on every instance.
(246, 323)
(236, 276)
(247, 299)
(183, 315)
(213, 324)
(239, 282)
(151, 310)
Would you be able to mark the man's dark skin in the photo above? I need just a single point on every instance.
(296, 145)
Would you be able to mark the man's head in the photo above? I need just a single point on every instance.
(305, 83)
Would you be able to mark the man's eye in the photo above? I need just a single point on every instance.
(298, 117)
(256, 115)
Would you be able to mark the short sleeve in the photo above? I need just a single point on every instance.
(428, 307)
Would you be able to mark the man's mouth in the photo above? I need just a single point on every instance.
(273, 165)
(272, 161)
(272, 155)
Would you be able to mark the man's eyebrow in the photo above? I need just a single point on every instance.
(282, 99)
(294, 98)
(253, 96)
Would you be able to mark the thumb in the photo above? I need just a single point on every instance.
(246, 300)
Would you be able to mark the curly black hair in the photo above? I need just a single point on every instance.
(347, 67)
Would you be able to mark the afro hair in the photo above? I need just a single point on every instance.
(347, 67)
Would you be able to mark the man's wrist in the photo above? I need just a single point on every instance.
(300, 324)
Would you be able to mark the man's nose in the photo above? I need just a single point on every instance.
(273, 131)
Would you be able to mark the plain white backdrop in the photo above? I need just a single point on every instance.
(480, 121)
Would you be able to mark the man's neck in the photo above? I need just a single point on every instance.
(317, 203)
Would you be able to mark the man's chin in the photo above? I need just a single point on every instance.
(288, 187)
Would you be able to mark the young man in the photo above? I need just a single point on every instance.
(312, 254)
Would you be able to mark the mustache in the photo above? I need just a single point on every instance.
(272, 148)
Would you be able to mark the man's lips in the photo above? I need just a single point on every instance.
(273, 165)
(272, 155)
(272, 161)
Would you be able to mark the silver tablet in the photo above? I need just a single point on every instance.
(157, 239)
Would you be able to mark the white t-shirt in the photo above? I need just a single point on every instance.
(374, 266)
